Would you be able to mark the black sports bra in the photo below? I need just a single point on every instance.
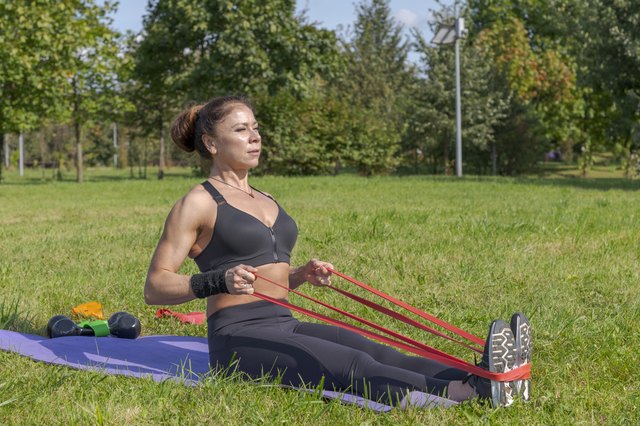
(240, 238)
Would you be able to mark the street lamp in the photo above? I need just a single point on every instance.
(447, 34)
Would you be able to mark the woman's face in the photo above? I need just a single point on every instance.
(237, 141)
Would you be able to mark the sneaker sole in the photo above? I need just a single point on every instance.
(502, 358)
(522, 333)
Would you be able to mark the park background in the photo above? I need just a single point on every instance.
(358, 126)
(540, 80)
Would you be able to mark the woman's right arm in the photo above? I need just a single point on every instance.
(164, 286)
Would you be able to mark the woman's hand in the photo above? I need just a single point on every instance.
(317, 272)
(240, 279)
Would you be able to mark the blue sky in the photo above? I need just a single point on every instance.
(330, 14)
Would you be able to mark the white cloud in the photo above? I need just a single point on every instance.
(407, 17)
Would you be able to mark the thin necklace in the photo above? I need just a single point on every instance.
(250, 194)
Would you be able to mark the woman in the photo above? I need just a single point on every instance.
(234, 232)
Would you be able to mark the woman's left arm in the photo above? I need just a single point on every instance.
(314, 271)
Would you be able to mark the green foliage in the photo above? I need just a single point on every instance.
(259, 48)
(161, 65)
(531, 82)
(60, 60)
(100, 151)
(376, 83)
(519, 141)
(38, 40)
(307, 136)
(254, 47)
(95, 86)
(584, 76)
(611, 38)
(540, 79)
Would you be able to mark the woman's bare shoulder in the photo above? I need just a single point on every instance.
(198, 194)
(194, 206)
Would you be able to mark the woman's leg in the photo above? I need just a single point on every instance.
(381, 353)
(306, 360)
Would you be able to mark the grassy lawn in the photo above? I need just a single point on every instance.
(564, 250)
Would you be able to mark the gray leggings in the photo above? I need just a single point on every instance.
(263, 338)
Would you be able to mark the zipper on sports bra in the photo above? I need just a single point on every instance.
(275, 247)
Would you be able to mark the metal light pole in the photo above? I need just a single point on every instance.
(447, 34)
(6, 152)
(459, 30)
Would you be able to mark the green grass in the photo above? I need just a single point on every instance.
(565, 251)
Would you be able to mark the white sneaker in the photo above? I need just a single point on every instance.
(524, 345)
(499, 356)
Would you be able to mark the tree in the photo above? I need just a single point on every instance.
(594, 48)
(313, 136)
(609, 55)
(255, 47)
(46, 50)
(161, 54)
(95, 87)
(36, 43)
(376, 84)
(542, 84)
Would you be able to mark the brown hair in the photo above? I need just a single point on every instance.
(198, 120)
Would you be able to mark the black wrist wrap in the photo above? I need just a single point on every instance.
(208, 284)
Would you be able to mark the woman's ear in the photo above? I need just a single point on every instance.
(210, 144)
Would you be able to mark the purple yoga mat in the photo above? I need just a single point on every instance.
(180, 358)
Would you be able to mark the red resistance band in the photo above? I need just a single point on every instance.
(405, 343)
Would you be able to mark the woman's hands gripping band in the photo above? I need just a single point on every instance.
(240, 279)
(316, 272)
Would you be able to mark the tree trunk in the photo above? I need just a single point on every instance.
(42, 146)
(59, 156)
(144, 163)
(161, 160)
(4, 152)
(129, 155)
(7, 154)
(168, 154)
(76, 121)
(447, 169)
(79, 174)
(628, 152)
(494, 160)
(115, 145)
(21, 152)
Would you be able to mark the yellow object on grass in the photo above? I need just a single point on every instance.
(88, 310)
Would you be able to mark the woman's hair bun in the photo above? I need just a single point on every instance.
(183, 130)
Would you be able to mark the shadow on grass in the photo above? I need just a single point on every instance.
(602, 177)
(599, 184)
(596, 183)
(557, 180)
(38, 180)
(553, 176)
